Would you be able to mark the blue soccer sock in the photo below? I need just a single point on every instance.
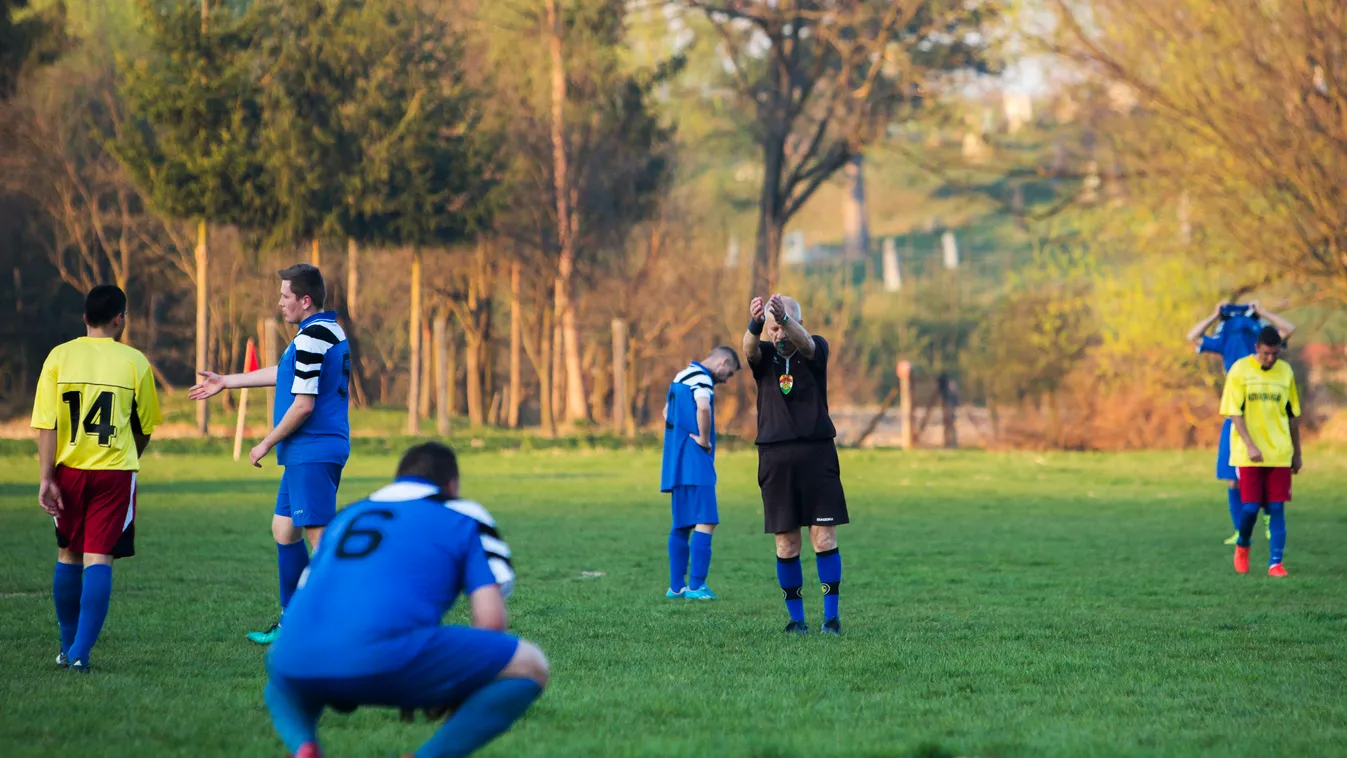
(66, 585)
(678, 558)
(295, 719)
(1277, 523)
(791, 577)
(1236, 507)
(95, 595)
(830, 576)
(291, 559)
(701, 559)
(485, 715)
(1248, 518)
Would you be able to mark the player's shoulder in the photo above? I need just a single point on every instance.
(472, 510)
(324, 330)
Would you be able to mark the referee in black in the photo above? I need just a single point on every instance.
(797, 457)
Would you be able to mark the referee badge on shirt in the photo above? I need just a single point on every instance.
(787, 382)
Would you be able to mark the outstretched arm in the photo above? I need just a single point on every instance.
(1284, 328)
(753, 336)
(795, 331)
(212, 384)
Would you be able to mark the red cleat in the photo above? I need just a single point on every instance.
(309, 750)
(1276, 570)
(1241, 560)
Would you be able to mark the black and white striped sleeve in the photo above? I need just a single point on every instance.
(703, 387)
(497, 551)
(311, 345)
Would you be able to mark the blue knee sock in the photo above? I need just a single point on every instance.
(295, 719)
(292, 559)
(1236, 507)
(830, 576)
(791, 577)
(1248, 518)
(701, 559)
(94, 598)
(1277, 523)
(482, 717)
(678, 558)
(66, 585)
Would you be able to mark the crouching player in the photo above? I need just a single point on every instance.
(364, 627)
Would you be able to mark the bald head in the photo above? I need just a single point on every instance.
(775, 332)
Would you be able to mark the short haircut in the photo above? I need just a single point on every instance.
(104, 303)
(431, 461)
(725, 351)
(306, 281)
(1270, 336)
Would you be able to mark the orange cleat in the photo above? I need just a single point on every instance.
(1277, 570)
(309, 750)
(1241, 560)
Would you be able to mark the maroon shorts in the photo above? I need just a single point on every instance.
(1265, 484)
(99, 512)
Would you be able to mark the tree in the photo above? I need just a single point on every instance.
(814, 81)
(26, 37)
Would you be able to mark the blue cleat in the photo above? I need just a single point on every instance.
(701, 593)
(267, 637)
(679, 595)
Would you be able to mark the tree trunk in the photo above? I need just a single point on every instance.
(855, 223)
(315, 253)
(619, 376)
(545, 375)
(451, 369)
(473, 353)
(352, 276)
(202, 319)
(270, 338)
(516, 345)
(771, 225)
(414, 342)
(442, 376)
(558, 371)
(427, 371)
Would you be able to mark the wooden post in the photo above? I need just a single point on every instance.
(202, 320)
(238, 427)
(270, 337)
(620, 403)
(352, 275)
(442, 376)
(414, 340)
(315, 253)
(905, 403)
(516, 347)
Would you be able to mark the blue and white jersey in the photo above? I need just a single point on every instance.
(685, 463)
(317, 363)
(1235, 338)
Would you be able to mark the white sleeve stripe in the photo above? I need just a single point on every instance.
(472, 510)
(702, 392)
(501, 571)
(312, 344)
(304, 387)
(493, 545)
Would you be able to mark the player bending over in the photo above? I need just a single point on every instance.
(688, 471)
(798, 471)
(94, 412)
(1235, 338)
(364, 627)
(312, 432)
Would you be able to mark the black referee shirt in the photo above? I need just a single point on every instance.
(800, 415)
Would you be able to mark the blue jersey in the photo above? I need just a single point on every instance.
(685, 463)
(386, 572)
(1236, 338)
(317, 363)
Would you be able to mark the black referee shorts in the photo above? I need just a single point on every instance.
(801, 486)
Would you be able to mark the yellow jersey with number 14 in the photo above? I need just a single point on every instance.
(97, 394)
(1267, 400)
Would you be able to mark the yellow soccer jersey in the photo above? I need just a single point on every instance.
(1267, 400)
(96, 392)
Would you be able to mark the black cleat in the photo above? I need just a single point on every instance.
(831, 626)
(79, 666)
(797, 627)
(62, 660)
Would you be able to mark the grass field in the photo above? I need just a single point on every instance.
(994, 605)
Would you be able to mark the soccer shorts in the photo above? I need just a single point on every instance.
(99, 513)
(1224, 470)
(801, 486)
(308, 493)
(455, 662)
(1265, 484)
(693, 505)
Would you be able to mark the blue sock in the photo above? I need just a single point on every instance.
(295, 719)
(66, 585)
(292, 559)
(94, 598)
(701, 559)
(485, 715)
(791, 577)
(830, 576)
(678, 558)
(1236, 507)
(1277, 545)
(1248, 518)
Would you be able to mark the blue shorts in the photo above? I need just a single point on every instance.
(308, 493)
(693, 505)
(1223, 468)
(455, 663)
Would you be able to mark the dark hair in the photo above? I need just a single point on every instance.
(727, 352)
(306, 281)
(432, 461)
(104, 303)
(1270, 336)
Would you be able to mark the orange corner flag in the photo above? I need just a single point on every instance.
(250, 362)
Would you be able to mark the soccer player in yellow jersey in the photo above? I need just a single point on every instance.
(94, 412)
(1260, 396)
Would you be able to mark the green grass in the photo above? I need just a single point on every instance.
(995, 605)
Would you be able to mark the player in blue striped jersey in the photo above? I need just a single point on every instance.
(364, 628)
(688, 471)
(312, 427)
